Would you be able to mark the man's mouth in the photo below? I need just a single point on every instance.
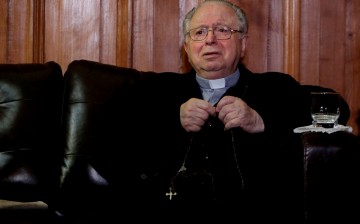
(210, 54)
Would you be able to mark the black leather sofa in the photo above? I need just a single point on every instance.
(52, 149)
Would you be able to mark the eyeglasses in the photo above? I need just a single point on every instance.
(220, 33)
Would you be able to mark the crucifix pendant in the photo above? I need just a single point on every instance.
(171, 193)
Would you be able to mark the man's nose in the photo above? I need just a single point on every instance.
(210, 37)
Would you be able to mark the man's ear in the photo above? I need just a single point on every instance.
(186, 47)
(243, 45)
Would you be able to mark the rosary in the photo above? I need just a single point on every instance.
(209, 178)
(172, 191)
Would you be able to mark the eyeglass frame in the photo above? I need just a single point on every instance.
(212, 29)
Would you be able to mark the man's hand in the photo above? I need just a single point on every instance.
(194, 113)
(234, 112)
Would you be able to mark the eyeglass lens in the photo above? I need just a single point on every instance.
(220, 33)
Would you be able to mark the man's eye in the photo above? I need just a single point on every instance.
(223, 30)
(200, 32)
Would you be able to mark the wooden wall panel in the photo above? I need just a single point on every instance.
(322, 38)
(184, 7)
(39, 31)
(143, 35)
(81, 29)
(19, 31)
(75, 28)
(310, 37)
(331, 43)
(108, 31)
(352, 62)
(3, 30)
(275, 36)
(325, 56)
(167, 33)
(257, 52)
(124, 24)
(291, 51)
(157, 35)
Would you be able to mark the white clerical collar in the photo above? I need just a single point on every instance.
(226, 82)
(217, 83)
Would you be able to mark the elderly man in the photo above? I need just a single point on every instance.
(217, 141)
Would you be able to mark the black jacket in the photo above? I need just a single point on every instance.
(225, 170)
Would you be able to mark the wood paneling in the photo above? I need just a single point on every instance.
(3, 31)
(108, 31)
(310, 38)
(75, 28)
(315, 41)
(292, 38)
(124, 56)
(19, 31)
(39, 31)
(351, 74)
(166, 37)
(184, 7)
(143, 35)
(257, 52)
(327, 55)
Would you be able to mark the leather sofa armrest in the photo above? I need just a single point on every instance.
(331, 176)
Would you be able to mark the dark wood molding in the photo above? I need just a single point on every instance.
(292, 38)
(124, 43)
(39, 31)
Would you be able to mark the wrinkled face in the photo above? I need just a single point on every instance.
(212, 58)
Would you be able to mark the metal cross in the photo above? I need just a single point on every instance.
(171, 193)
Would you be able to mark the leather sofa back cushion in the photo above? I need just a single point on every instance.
(92, 90)
(30, 118)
